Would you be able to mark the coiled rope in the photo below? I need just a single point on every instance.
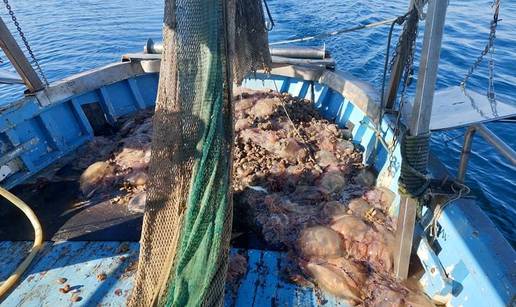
(414, 151)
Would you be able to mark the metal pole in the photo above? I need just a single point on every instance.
(419, 127)
(434, 28)
(489, 137)
(18, 59)
(497, 143)
(466, 151)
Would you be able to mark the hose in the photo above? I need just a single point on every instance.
(6, 285)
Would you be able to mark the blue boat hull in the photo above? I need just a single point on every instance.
(469, 264)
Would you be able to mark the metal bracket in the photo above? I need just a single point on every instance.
(489, 137)
(437, 284)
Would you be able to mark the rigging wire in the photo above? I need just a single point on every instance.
(337, 32)
(400, 20)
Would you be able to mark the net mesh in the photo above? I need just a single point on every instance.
(248, 39)
(187, 222)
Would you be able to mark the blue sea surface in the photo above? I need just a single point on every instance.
(73, 36)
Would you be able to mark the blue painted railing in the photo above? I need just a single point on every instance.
(47, 133)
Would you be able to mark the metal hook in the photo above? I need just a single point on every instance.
(269, 25)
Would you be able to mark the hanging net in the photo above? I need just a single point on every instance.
(187, 222)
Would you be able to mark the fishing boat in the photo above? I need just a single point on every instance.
(466, 263)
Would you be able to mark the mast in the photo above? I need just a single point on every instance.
(415, 148)
(427, 76)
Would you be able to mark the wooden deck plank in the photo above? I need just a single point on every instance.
(85, 275)
(79, 262)
(45, 291)
(247, 289)
(289, 294)
(330, 300)
(12, 254)
(268, 279)
(48, 256)
(229, 296)
(117, 287)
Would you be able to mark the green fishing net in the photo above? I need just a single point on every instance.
(187, 222)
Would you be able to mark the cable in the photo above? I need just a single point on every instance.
(6, 285)
(272, 24)
(25, 41)
(337, 32)
(400, 20)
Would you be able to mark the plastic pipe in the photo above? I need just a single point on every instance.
(6, 285)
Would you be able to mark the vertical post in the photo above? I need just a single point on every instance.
(434, 28)
(18, 59)
(404, 236)
(415, 149)
(466, 151)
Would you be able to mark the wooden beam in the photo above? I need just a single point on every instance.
(18, 59)
(404, 236)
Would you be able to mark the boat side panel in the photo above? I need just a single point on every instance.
(344, 113)
(478, 260)
(148, 86)
(61, 127)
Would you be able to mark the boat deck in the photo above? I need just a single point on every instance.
(81, 262)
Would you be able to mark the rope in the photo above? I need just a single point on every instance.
(446, 139)
(337, 32)
(400, 20)
(311, 154)
(462, 190)
(414, 151)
